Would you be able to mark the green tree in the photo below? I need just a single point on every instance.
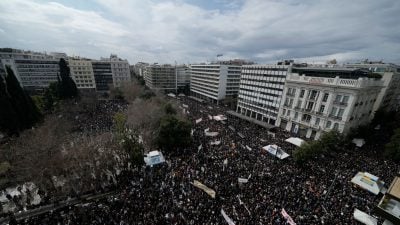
(8, 118)
(26, 111)
(68, 87)
(169, 109)
(392, 149)
(173, 133)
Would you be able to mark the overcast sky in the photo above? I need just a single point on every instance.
(189, 31)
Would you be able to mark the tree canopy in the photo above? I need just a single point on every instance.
(173, 133)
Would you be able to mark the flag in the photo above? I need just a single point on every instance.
(226, 217)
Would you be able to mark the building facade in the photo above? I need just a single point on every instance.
(103, 75)
(34, 70)
(160, 77)
(389, 97)
(82, 73)
(216, 81)
(260, 92)
(120, 71)
(317, 100)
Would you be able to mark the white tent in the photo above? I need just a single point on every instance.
(359, 142)
(181, 95)
(295, 141)
(364, 218)
(153, 158)
(276, 151)
(172, 95)
(368, 182)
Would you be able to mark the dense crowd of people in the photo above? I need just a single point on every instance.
(318, 192)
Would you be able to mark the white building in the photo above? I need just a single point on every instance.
(183, 76)
(139, 68)
(120, 71)
(389, 97)
(216, 81)
(260, 93)
(82, 73)
(318, 99)
(34, 70)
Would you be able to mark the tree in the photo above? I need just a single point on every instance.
(68, 87)
(173, 133)
(8, 119)
(25, 110)
(169, 109)
(392, 149)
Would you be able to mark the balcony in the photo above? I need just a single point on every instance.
(335, 117)
(340, 103)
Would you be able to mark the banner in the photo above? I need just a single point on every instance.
(243, 180)
(287, 217)
(198, 120)
(215, 142)
(203, 187)
(226, 217)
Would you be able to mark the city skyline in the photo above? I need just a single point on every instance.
(191, 31)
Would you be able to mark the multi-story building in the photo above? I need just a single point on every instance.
(139, 68)
(316, 100)
(260, 93)
(120, 71)
(103, 75)
(389, 97)
(160, 77)
(34, 70)
(82, 73)
(216, 81)
(183, 76)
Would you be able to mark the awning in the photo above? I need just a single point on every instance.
(368, 182)
(295, 141)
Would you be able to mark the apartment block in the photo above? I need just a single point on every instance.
(82, 73)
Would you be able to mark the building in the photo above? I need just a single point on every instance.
(102, 75)
(120, 71)
(183, 76)
(34, 70)
(139, 68)
(82, 73)
(260, 92)
(389, 97)
(160, 77)
(216, 81)
(320, 99)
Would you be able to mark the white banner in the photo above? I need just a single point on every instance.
(203, 187)
(215, 142)
(226, 217)
(243, 180)
(287, 217)
(199, 120)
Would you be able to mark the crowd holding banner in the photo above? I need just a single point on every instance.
(247, 185)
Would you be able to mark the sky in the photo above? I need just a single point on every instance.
(194, 31)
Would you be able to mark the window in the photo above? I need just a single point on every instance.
(338, 98)
(283, 112)
(306, 118)
(328, 124)
(317, 121)
(296, 115)
(310, 106)
(345, 99)
(325, 98)
(313, 94)
(322, 108)
(336, 126)
(299, 102)
(334, 111)
(288, 113)
(340, 113)
(302, 93)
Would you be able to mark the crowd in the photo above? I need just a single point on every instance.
(318, 192)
